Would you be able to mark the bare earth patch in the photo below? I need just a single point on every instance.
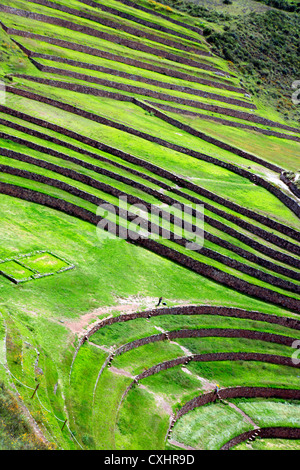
(123, 305)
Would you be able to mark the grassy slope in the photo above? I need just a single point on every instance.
(259, 41)
(110, 271)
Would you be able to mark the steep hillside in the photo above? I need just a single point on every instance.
(149, 256)
(260, 40)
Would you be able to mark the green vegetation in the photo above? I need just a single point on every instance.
(15, 430)
(270, 444)
(201, 427)
(88, 130)
(271, 412)
(33, 265)
(267, 61)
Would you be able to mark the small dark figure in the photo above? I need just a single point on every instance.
(217, 392)
(159, 302)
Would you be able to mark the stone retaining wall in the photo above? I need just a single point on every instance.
(157, 13)
(136, 19)
(135, 45)
(267, 433)
(226, 122)
(211, 357)
(125, 27)
(231, 312)
(168, 175)
(238, 392)
(230, 112)
(206, 137)
(205, 333)
(256, 273)
(152, 66)
(151, 245)
(166, 199)
(140, 90)
(290, 203)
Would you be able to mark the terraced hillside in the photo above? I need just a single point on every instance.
(136, 341)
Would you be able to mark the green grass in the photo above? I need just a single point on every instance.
(140, 359)
(45, 263)
(15, 431)
(175, 385)
(64, 164)
(176, 322)
(142, 423)
(110, 158)
(12, 59)
(101, 15)
(120, 333)
(81, 388)
(116, 82)
(219, 344)
(30, 367)
(209, 427)
(108, 396)
(231, 185)
(243, 373)
(24, 225)
(38, 320)
(90, 60)
(15, 270)
(271, 413)
(270, 444)
(267, 147)
(193, 254)
(50, 30)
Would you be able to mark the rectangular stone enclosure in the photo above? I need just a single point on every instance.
(33, 266)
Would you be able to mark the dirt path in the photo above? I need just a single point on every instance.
(180, 445)
(129, 305)
(114, 370)
(160, 401)
(246, 417)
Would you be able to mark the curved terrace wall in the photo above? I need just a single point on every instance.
(267, 432)
(199, 333)
(238, 392)
(287, 322)
(210, 357)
